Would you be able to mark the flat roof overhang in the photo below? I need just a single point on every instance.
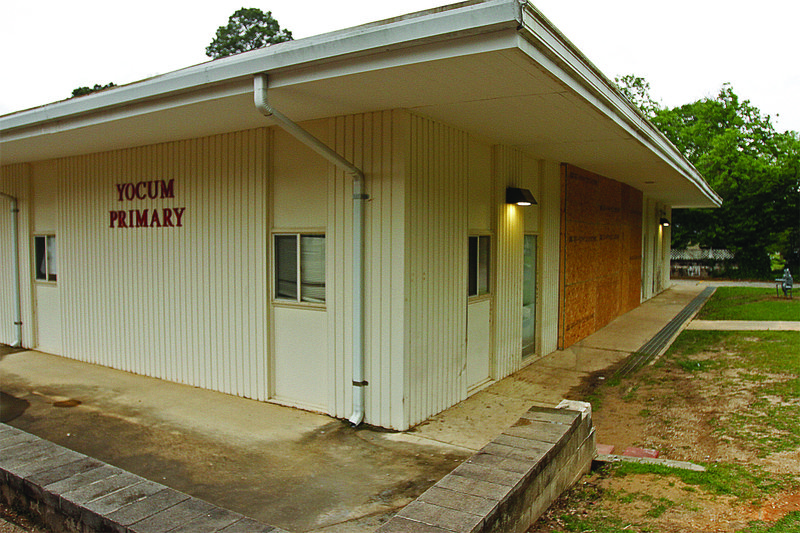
(497, 69)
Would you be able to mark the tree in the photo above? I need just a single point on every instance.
(637, 90)
(755, 169)
(247, 29)
(83, 91)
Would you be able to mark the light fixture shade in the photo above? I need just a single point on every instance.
(519, 196)
(664, 222)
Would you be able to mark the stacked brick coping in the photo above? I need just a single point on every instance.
(503, 488)
(73, 493)
(509, 483)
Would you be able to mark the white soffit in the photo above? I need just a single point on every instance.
(495, 69)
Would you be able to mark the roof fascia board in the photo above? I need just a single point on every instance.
(548, 47)
(89, 119)
(424, 27)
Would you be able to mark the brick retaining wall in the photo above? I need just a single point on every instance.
(509, 483)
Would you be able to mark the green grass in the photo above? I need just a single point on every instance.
(744, 482)
(749, 303)
(788, 524)
(770, 360)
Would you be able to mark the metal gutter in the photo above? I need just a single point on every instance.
(428, 26)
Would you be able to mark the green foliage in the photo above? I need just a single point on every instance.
(247, 29)
(749, 303)
(756, 171)
(83, 91)
(637, 90)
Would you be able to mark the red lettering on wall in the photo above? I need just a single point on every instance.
(168, 189)
(141, 218)
(152, 189)
(130, 191)
(179, 216)
(167, 217)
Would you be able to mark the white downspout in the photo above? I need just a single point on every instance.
(260, 85)
(15, 257)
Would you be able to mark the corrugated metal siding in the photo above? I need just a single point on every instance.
(550, 243)
(436, 290)
(648, 248)
(369, 141)
(186, 304)
(15, 180)
(509, 165)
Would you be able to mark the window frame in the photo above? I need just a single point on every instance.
(50, 277)
(478, 295)
(298, 300)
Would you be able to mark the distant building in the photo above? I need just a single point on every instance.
(169, 228)
(696, 262)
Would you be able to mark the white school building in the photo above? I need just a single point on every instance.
(332, 223)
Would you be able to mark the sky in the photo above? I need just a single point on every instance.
(685, 49)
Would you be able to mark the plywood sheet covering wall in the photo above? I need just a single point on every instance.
(436, 241)
(601, 239)
(15, 181)
(373, 142)
(186, 303)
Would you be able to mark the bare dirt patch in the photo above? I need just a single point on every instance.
(706, 407)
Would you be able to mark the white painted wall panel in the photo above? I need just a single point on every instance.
(509, 171)
(436, 288)
(45, 221)
(15, 181)
(300, 182)
(481, 193)
(188, 303)
(376, 143)
(301, 379)
(650, 249)
(479, 342)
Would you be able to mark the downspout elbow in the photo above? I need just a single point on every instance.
(260, 84)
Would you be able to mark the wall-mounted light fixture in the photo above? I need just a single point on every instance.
(519, 196)
(664, 222)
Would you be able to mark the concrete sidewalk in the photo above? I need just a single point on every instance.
(293, 469)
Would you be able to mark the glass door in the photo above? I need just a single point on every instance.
(529, 296)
